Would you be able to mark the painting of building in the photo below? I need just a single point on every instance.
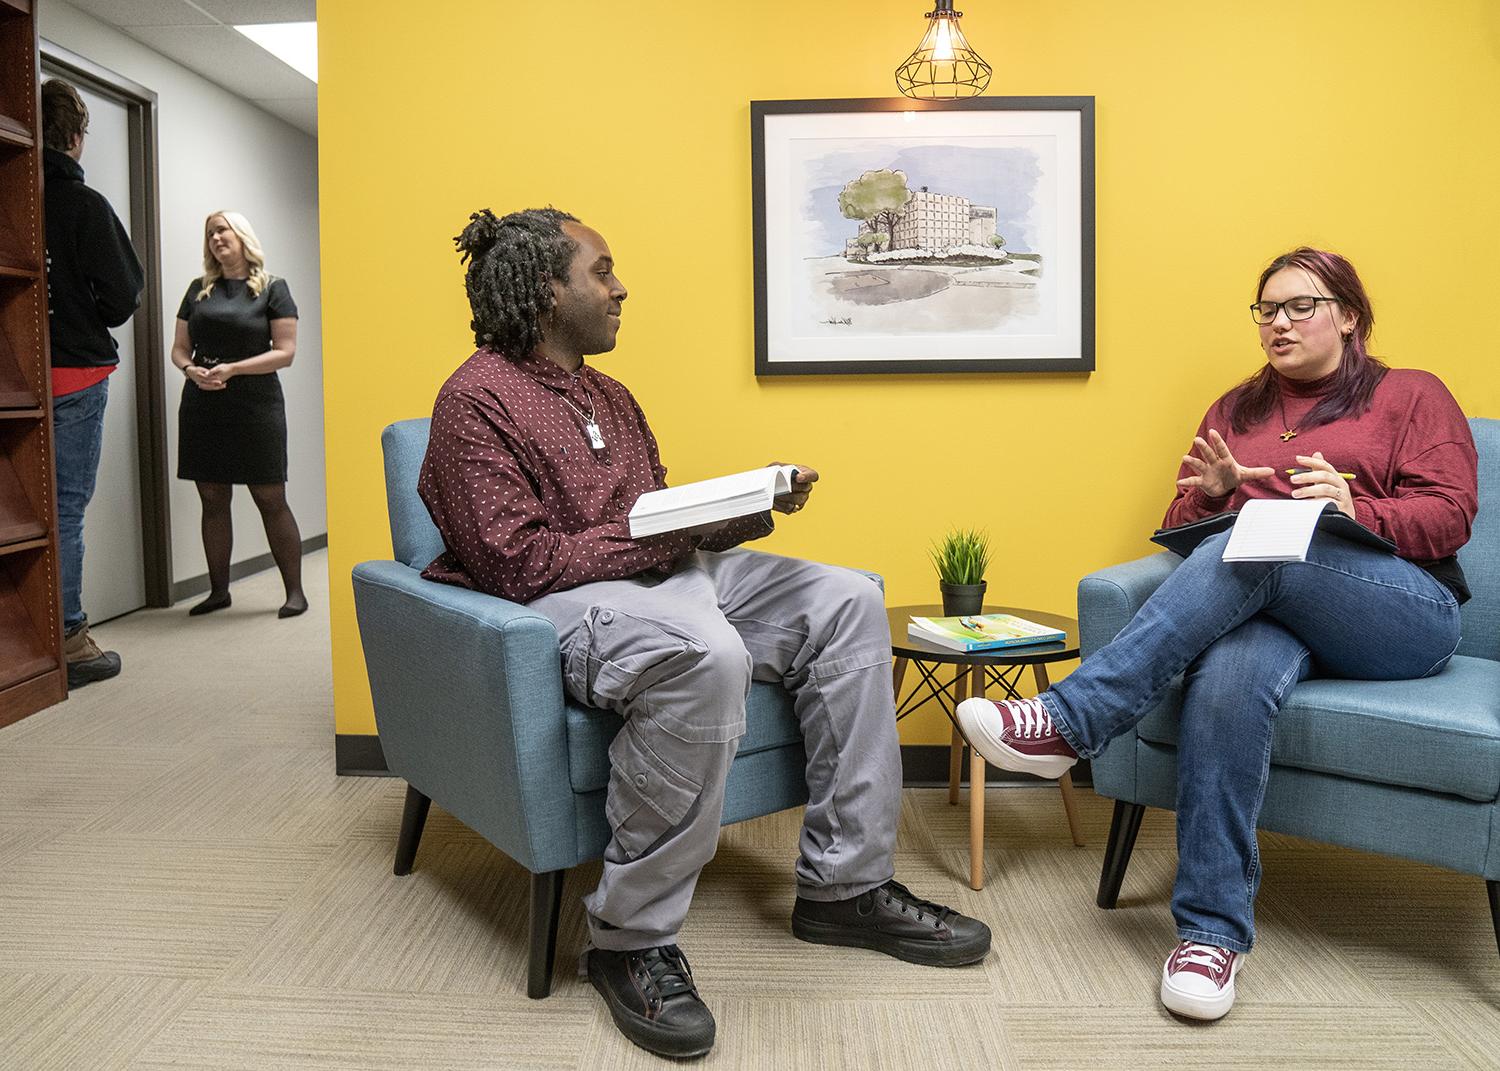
(936, 221)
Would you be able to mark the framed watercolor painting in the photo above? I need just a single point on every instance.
(911, 236)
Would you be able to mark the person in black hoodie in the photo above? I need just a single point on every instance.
(94, 282)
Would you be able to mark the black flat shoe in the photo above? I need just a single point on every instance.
(891, 920)
(210, 604)
(653, 1000)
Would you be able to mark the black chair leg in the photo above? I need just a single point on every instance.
(413, 818)
(1122, 830)
(546, 907)
(1494, 887)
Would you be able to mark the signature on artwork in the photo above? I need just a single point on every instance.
(842, 322)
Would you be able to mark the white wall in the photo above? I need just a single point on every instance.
(217, 151)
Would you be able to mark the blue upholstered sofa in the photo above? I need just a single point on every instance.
(1405, 768)
(468, 698)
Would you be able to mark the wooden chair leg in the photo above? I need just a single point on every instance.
(1122, 832)
(1494, 887)
(955, 765)
(976, 797)
(976, 820)
(413, 818)
(546, 908)
(1065, 783)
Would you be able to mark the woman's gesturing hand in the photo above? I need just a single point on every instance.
(1322, 480)
(1218, 473)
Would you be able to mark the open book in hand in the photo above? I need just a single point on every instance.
(1271, 530)
(707, 501)
(981, 632)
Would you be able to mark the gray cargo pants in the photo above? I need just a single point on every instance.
(675, 658)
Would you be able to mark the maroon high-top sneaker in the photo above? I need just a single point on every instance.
(1016, 735)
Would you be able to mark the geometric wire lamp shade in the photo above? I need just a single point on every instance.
(943, 67)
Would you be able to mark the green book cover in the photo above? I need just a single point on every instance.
(979, 632)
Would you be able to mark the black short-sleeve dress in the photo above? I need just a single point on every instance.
(238, 434)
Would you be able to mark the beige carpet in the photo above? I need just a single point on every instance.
(184, 883)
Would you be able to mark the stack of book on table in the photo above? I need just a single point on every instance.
(982, 632)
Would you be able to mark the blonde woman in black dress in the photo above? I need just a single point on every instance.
(236, 327)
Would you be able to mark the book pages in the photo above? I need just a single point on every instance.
(1274, 530)
(706, 501)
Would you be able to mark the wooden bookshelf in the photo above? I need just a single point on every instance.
(32, 674)
(14, 133)
(19, 518)
(16, 391)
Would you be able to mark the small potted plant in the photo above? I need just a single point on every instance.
(961, 560)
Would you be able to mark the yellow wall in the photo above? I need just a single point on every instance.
(1225, 133)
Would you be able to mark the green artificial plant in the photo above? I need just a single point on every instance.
(962, 556)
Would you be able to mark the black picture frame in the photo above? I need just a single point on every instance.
(773, 356)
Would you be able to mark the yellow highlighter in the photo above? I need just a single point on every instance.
(1294, 472)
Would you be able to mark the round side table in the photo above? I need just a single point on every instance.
(973, 674)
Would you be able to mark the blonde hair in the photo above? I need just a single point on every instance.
(255, 257)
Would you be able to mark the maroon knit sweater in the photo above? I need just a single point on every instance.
(1412, 455)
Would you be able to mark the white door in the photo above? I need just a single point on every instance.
(114, 570)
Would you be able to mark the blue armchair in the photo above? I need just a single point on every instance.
(1405, 768)
(469, 704)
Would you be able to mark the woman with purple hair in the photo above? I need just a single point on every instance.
(1321, 419)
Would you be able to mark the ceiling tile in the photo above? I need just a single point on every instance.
(144, 12)
(244, 12)
(227, 58)
(302, 114)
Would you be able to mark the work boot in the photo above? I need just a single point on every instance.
(86, 663)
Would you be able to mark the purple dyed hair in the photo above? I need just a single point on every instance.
(1358, 373)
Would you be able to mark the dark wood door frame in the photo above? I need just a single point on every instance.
(145, 231)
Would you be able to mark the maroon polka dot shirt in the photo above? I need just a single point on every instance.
(524, 505)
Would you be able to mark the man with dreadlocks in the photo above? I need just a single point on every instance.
(533, 463)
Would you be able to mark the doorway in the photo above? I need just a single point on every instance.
(127, 563)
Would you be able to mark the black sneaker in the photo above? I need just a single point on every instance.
(653, 1000)
(891, 920)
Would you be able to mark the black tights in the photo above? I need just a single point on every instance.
(281, 533)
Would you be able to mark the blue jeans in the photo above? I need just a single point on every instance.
(1243, 633)
(77, 435)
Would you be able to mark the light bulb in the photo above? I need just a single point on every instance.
(942, 40)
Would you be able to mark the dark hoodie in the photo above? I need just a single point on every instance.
(94, 278)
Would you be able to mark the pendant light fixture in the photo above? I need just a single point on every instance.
(943, 67)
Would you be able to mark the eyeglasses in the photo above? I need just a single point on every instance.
(1297, 308)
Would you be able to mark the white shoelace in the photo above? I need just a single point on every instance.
(1211, 956)
(1030, 718)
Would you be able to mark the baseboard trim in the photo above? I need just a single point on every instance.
(198, 585)
(359, 755)
(922, 765)
(926, 766)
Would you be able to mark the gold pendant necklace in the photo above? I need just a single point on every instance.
(1291, 432)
